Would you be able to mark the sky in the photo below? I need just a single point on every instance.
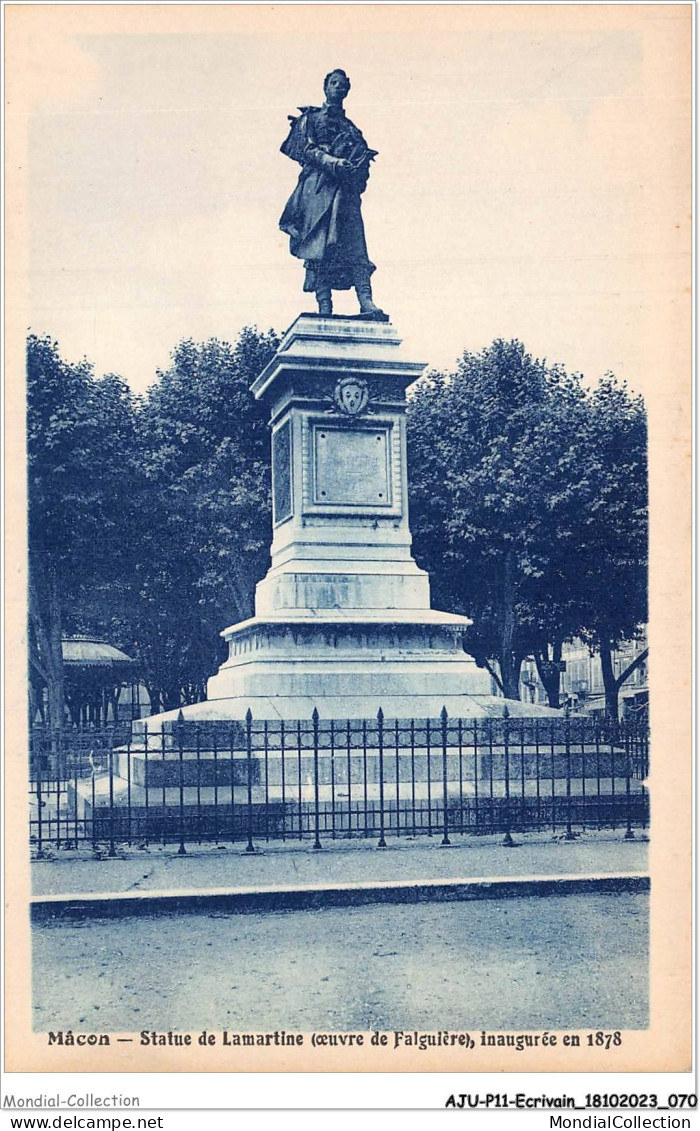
(533, 178)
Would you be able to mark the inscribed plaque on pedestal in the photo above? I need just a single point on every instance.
(351, 467)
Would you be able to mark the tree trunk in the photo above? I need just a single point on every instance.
(46, 617)
(171, 698)
(510, 666)
(611, 685)
(508, 661)
(193, 693)
(494, 675)
(154, 699)
(36, 706)
(549, 673)
(74, 709)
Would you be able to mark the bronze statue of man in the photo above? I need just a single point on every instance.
(323, 215)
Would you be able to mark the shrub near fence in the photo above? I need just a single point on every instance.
(243, 782)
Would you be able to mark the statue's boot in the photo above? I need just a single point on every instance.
(367, 304)
(324, 300)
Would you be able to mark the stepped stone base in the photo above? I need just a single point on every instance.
(348, 665)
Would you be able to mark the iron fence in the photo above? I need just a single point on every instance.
(258, 780)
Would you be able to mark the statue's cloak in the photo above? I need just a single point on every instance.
(322, 216)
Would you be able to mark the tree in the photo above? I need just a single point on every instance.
(556, 606)
(493, 497)
(503, 479)
(205, 524)
(80, 446)
(613, 567)
(528, 497)
(149, 521)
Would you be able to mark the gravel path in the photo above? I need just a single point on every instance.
(557, 962)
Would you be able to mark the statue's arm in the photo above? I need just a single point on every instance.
(317, 156)
(301, 145)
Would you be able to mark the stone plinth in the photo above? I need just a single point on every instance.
(341, 540)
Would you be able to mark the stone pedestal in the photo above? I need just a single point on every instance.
(342, 620)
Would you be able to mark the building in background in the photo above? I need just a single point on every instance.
(102, 685)
(582, 680)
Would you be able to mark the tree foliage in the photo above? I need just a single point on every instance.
(80, 440)
(206, 496)
(514, 471)
(149, 519)
(613, 572)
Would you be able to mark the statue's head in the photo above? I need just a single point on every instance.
(337, 84)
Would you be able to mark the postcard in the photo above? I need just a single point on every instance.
(348, 476)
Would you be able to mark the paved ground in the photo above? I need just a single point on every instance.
(160, 868)
(574, 961)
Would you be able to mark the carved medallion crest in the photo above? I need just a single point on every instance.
(351, 395)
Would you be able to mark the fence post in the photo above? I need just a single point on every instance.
(232, 784)
(629, 834)
(365, 803)
(216, 738)
(266, 763)
(332, 750)
(317, 819)
(413, 777)
(507, 838)
(583, 743)
(112, 849)
(198, 763)
(77, 762)
(39, 806)
(163, 787)
(299, 770)
(642, 747)
(147, 786)
(476, 775)
(567, 740)
(443, 721)
(429, 783)
(380, 740)
(537, 770)
(180, 725)
(348, 749)
(128, 787)
(282, 771)
(397, 754)
(250, 847)
(58, 764)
